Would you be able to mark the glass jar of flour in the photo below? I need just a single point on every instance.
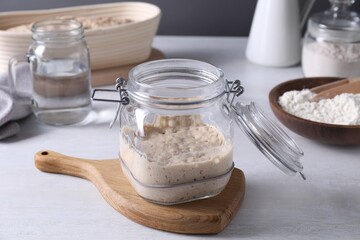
(176, 130)
(332, 42)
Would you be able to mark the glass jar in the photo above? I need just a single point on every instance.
(60, 72)
(176, 130)
(332, 42)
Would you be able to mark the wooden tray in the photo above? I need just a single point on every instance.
(108, 76)
(207, 216)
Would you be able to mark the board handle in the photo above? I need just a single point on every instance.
(53, 162)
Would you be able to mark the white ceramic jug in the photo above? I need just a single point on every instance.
(275, 38)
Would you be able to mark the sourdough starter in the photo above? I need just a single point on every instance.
(176, 150)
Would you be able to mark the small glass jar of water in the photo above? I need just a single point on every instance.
(60, 72)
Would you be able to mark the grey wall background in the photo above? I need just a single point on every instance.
(182, 17)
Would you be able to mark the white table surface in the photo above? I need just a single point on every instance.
(37, 205)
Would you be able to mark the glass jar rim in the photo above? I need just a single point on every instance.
(175, 82)
(57, 30)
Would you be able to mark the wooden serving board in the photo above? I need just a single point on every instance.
(206, 216)
(107, 76)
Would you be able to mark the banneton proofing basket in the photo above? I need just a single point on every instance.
(109, 47)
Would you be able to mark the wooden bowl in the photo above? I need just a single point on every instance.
(109, 47)
(321, 132)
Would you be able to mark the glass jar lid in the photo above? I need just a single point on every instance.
(268, 137)
(175, 83)
(337, 23)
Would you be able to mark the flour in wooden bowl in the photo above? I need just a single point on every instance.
(343, 109)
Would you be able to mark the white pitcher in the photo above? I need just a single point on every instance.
(275, 38)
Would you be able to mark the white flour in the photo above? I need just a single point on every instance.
(331, 59)
(343, 109)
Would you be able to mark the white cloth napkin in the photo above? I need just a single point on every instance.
(11, 107)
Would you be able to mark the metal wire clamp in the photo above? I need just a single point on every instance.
(233, 89)
(123, 97)
(119, 87)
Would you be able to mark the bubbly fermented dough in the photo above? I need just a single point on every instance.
(175, 151)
